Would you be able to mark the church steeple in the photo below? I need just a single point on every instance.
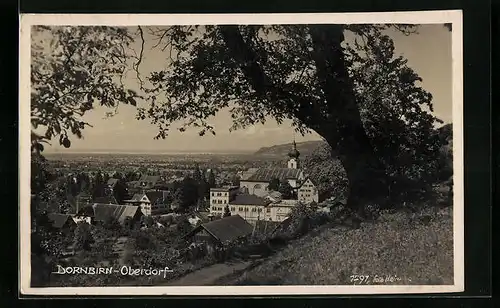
(293, 162)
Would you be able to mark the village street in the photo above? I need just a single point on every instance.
(208, 275)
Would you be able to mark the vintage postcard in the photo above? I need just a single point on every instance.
(241, 154)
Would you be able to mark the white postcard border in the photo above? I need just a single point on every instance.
(423, 17)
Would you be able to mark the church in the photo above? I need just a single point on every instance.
(257, 182)
(254, 201)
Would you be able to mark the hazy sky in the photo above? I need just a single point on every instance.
(428, 53)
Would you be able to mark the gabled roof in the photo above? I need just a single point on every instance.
(137, 197)
(274, 195)
(106, 200)
(153, 196)
(267, 174)
(59, 220)
(308, 179)
(101, 212)
(265, 227)
(248, 173)
(247, 199)
(226, 229)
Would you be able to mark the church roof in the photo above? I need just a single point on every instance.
(267, 174)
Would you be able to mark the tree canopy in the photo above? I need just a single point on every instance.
(358, 95)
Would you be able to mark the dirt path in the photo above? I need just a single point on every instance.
(120, 248)
(208, 275)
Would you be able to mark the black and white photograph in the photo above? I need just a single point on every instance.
(241, 154)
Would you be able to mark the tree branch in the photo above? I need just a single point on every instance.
(139, 59)
(306, 111)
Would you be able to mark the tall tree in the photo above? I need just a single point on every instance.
(120, 191)
(99, 186)
(307, 73)
(186, 195)
(211, 179)
(286, 190)
(227, 212)
(274, 184)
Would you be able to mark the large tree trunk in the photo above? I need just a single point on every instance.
(344, 130)
(338, 121)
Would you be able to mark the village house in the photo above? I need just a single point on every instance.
(308, 192)
(99, 213)
(220, 197)
(265, 228)
(250, 207)
(109, 199)
(61, 222)
(216, 235)
(151, 203)
(281, 210)
(150, 181)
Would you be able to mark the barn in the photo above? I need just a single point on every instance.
(217, 235)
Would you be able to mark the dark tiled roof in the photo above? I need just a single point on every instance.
(153, 196)
(310, 179)
(228, 228)
(58, 220)
(267, 174)
(106, 200)
(137, 197)
(247, 199)
(266, 227)
(101, 212)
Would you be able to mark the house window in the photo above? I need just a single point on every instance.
(260, 210)
(213, 194)
(225, 201)
(268, 210)
(246, 209)
(254, 209)
(232, 209)
(240, 209)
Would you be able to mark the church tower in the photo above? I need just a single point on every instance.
(293, 161)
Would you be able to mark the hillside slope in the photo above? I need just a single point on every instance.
(305, 148)
(414, 249)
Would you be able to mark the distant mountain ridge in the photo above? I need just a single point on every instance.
(305, 148)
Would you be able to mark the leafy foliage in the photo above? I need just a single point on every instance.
(274, 184)
(360, 97)
(286, 190)
(83, 237)
(72, 69)
(227, 212)
(327, 172)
